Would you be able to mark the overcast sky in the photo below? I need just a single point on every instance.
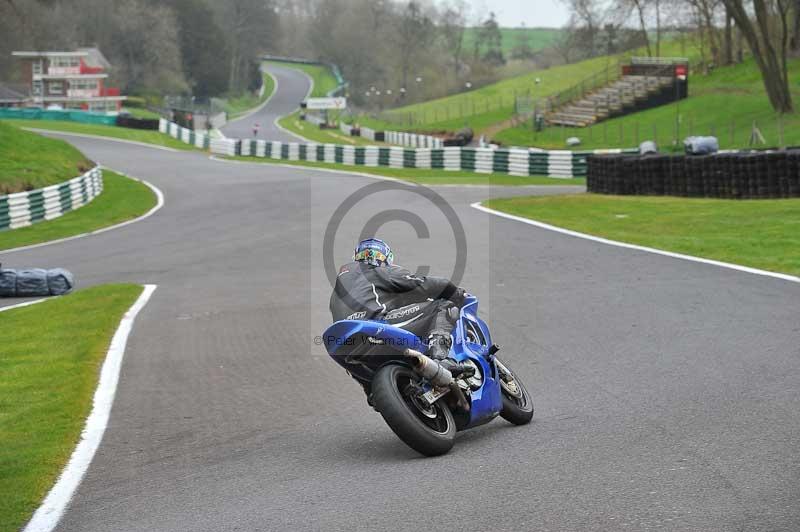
(512, 13)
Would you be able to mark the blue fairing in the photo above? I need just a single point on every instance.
(362, 347)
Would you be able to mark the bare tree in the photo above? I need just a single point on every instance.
(768, 44)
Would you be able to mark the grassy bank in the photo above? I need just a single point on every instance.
(760, 233)
(29, 161)
(494, 103)
(725, 104)
(122, 199)
(50, 358)
(236, 107)
(137, 135)
(427, 177)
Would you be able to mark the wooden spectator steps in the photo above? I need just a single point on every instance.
(619, 96)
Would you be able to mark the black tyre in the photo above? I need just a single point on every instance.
(517, 402)
(428, 430)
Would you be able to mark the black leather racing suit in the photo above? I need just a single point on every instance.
(392, 293)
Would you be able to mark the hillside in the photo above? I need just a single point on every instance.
(537, 38)
(725, 104)
(493, 104)
(29, 161)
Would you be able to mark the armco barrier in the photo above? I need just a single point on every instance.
(187, 136)
(742, 175)
(26, 208)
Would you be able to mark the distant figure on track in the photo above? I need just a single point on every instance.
(255, 130)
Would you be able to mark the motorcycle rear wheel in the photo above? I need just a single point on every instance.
(517, 402)
(428, 430)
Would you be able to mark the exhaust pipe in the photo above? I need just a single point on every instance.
(429, 369)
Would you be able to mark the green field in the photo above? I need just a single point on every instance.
(29, 161)
(137, 112)
(427, 177)
(241, 105)
(758, 233)
(725, 104)
(323, 78)
(50, 359)
(122, 199)
(538, 38)
(136, 135)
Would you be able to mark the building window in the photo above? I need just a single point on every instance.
(37, 67)
(56, 87)
(65, 62)
(37, 88)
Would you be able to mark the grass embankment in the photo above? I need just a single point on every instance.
(725, 104)
(241, 105)
(426, 177)
(136, 135)
(493, 104)
(138, 112)
(50, 359)
(29, 161)
(122, 199)
(758, 233)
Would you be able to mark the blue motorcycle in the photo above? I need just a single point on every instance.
(421, 401)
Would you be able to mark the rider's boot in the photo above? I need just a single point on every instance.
(439, 350)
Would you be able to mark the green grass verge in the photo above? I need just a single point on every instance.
(137, 135)
(122, 199)
(725, 104)
(427, 177)
(323, 78)
(50, 359)
(758, 233)
(313, 133)
(238, 106)
(29, 161)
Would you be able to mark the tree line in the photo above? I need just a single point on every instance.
(156, 47)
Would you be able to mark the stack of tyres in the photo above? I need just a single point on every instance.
(677, 170)
(629, 175)
(793, 173)
(780, 178)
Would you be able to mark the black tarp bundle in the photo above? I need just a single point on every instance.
(35, 282)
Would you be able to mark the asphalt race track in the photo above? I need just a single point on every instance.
(666, 391)
(292, 86)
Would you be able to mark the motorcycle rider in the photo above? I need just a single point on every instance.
(373, 288)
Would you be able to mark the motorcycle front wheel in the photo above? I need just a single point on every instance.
(517, 402)
(429, 430)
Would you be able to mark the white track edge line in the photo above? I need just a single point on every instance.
(26, 304)
(691, 258)
(148, 214)
(99, 137)
(55, 503)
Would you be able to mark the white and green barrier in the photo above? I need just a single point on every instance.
(519, 162)
(187, 136)
(26, 208)
(412, 140)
